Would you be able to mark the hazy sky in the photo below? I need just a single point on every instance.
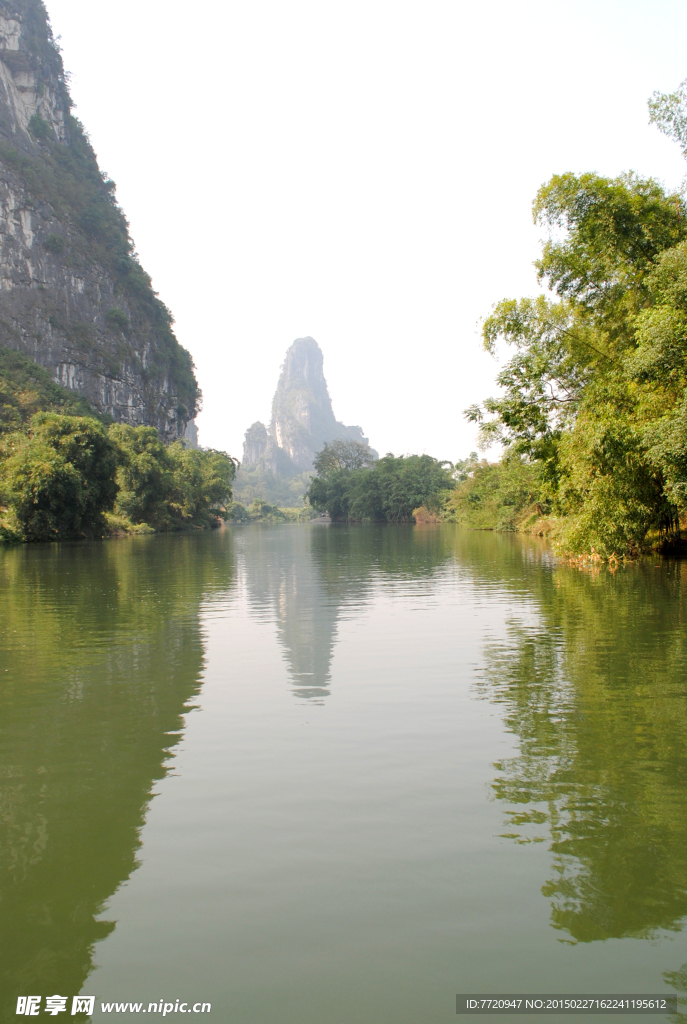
(361, 172)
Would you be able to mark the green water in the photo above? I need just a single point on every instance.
(328, 775)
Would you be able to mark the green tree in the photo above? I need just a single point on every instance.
(59, 478)
(388, 491)
(201, 485)
(170, 487)
(61, 475)
(145, 476)
(594, 394)
(668, 111)
(343, 454)
(614, 230)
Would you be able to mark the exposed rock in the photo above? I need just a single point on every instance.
(302, 417)
(254, 443)
(190, 435)
(73, 295)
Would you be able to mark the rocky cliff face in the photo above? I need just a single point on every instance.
(73, 295)
(254, 443)
(302, 416)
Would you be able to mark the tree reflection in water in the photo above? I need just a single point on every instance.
(101, 652)
(596, 695)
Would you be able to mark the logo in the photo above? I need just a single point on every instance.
(29, 1006)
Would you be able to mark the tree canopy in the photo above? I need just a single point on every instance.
(67, 477)
(388, 490)
(595, 392)
(59, 477)
(342, 454)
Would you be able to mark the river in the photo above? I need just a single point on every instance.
(319, 774)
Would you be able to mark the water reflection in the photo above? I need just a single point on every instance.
(100, 654)
(596, 694)
(104, 653)
(308, 579)
(284, 585)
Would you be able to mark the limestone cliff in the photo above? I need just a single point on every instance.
(302, 416)
(73, 295)
(254, 443)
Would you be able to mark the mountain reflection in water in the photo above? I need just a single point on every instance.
(306, 580)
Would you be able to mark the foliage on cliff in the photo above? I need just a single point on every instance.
(26, 388)
(387, 491)
(37, 33)
(594, 397)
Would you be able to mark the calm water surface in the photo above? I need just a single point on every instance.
(329, 775)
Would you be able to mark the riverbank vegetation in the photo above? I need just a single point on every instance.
(497, 496)
(351, 488)
(67, 473)
(592, 414)
(260, 511)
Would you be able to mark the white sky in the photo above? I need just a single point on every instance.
(361, 171)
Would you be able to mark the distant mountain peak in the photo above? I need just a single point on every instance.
(302, 416)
